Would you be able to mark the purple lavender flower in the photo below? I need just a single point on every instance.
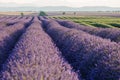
(96, 58)
(108, 33)
(35, 57)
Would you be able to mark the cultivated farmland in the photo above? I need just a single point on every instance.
(41, 48)
(94, 21)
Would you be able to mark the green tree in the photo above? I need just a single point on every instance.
(74, 13)
(22, 14)
(42, 13)
(63, 13)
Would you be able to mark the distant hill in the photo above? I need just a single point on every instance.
(99, 8)
(58, 8)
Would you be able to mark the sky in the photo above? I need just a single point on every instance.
(70, 3)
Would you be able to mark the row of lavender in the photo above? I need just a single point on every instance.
(109, 33)
(9, 36)
(93, 57)
(35, 57)
(4, 21)
(13, 20)
(7, 21)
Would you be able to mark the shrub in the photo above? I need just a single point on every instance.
(115, 24)
(63, 13)
(42, 13)
(22, 14)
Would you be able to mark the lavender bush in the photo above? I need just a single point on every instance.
(2, 25)
(6, 22)
(13, 20)
(35, 57)
(4, 18)
(26, 20)
(108, 33)
(8, 38)
(41, 18)
(95, 58)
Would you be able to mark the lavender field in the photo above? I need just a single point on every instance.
(40, 48)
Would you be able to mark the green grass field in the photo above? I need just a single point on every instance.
(104, 22)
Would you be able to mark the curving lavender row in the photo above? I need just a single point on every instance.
(4, 18)
(13, 20)
(35, 57)
(2, 25)
(109, 33)
(5, 23)
(29, 19)
(24, 20)
(95, 58)
(8, 38)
